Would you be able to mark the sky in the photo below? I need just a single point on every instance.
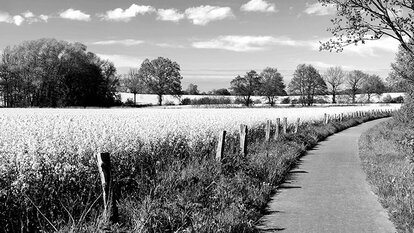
(213, 41)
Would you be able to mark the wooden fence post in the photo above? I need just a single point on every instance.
(297, 125)
(220, 146)
(104, 167)
(267, 130)
(284, 125)
(243, 140)
(326, 118)
(277, 128)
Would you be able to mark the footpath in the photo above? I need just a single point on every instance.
(328, 192)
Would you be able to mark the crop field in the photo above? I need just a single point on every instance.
(27, 131)
(48, 154)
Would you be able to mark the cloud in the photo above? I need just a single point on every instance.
(170, 15)
(7, 18)
(202, 15)
(122, 60)
(319, 9)
(324, 65)
(371, 48)
(44, 17)
(259, 5)
(127, 42)
(28, 14)
(72, 14)
(245, 43)
(18, 20)
(126, 15)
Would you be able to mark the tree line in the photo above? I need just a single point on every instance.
(52, 73)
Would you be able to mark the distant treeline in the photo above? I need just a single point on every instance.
(52, 73)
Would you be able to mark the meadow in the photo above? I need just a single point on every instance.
(161, 161)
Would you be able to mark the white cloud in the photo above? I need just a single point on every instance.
(259, 5)
(122, 60)
(28, 14)
(245, 43)
(324, 65)
(127, 42)
(319, 9)
(370, 48)
(126, 15)
(18, 20)
(202, 15)
(169, 15)
(5, 17)
(44, 17)
(75, 15)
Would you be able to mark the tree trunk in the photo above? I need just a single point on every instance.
(159, 100)
(248, 101)
(334, 98)
(135, 99)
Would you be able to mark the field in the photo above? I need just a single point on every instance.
(48, 165)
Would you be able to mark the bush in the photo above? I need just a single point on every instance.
(285, 100)
(211, 100)
(186, 101)
(257, 101)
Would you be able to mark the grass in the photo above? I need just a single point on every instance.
(386, 152)
(168, 186)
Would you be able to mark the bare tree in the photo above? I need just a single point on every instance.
(334, 78)
(354, 82)
(134, 82)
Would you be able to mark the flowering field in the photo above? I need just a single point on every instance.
(47, 154)
(26, 131)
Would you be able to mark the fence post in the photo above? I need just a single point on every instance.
(220, 146)
(326, 119)
(267, 130)
(297, 125)
(277, 128)
(284, 125)
(243, 140)
(104, 167)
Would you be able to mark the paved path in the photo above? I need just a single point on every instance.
(328, 192)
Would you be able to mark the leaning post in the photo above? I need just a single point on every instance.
(243, 140)
(104, 167)
(220, 146)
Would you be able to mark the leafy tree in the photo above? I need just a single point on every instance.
(362, 20)
(373, 84)
(246, 86)
(52, 73)
(161, 76)
(192, 89)
(307, 82)
(221, 91)
(354, 82)
(134, 82)
(334, 78)
(272, 85)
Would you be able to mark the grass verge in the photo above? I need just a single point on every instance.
(386, 152)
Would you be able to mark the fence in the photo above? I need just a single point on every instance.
(104, 163)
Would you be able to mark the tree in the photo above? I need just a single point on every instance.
(272, 85)
(334, 78)
(246, 86)
(161, 76)
(354, 82)
(363, 20)
(307, 82)
(221, 91)
(134, 82)
(52, 73)
(192, 89)
(373, 84)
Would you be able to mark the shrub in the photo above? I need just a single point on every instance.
(285, 100)
(186, 101)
